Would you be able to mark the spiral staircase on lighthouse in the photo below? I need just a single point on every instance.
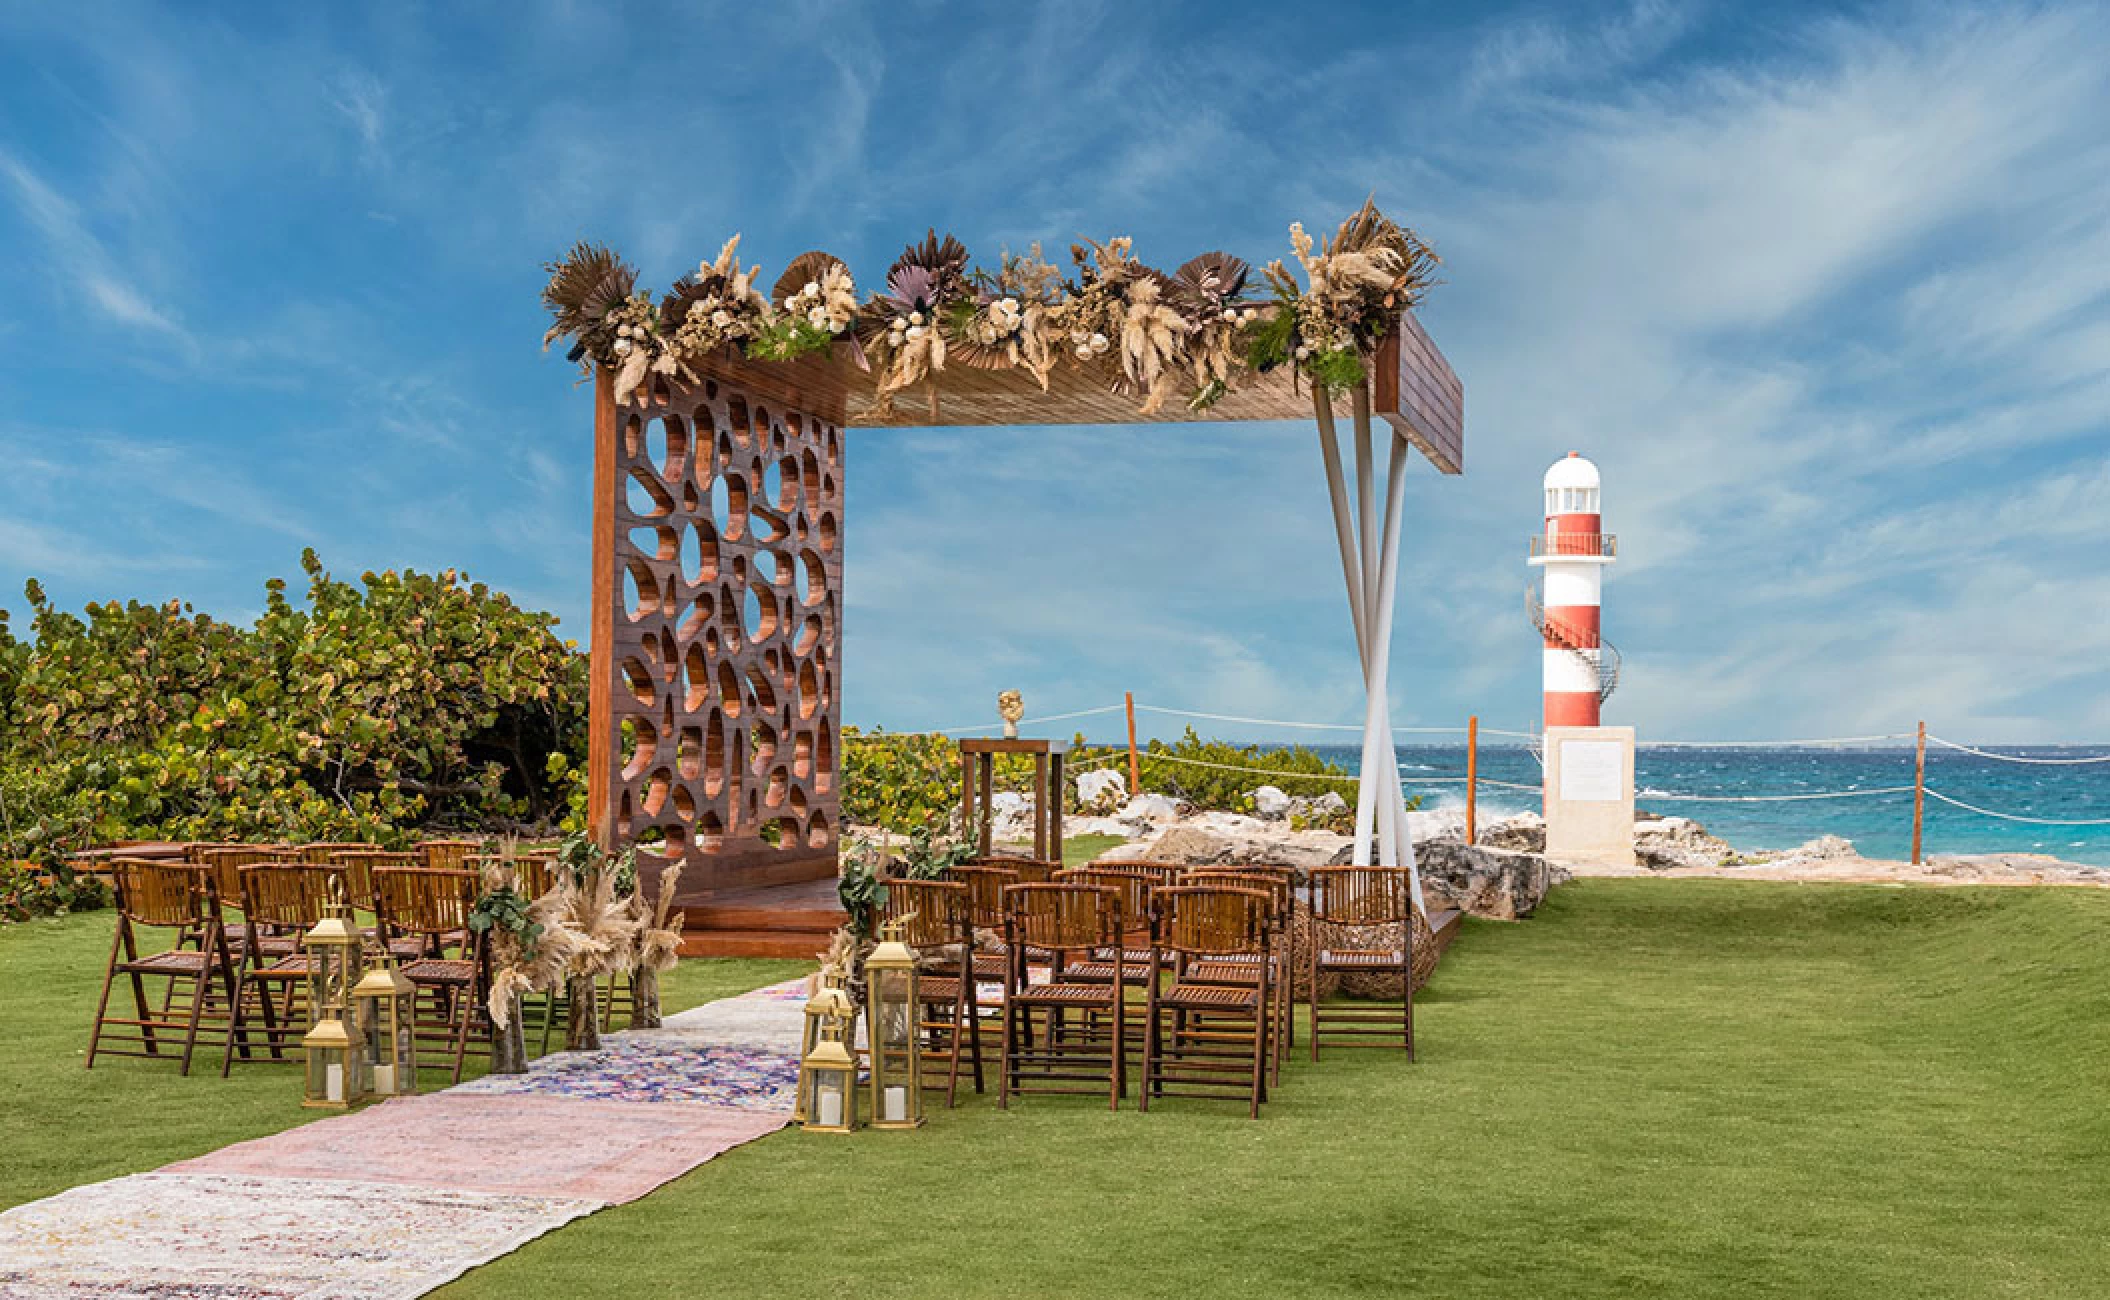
(1606, 664)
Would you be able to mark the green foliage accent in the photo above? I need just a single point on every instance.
(1338, 370)
(1270, 339)
(578, 854)
(787, 338)
(1234, 771)
(377, 710)
(904, 782)
(27, 891)
(505, 910)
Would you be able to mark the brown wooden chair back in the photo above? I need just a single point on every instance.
(226, 863)
(321, 853)
(1030, 871)
(1134, 887)
(289, 897)
(447, 855)
(1063, 917)
(1359, 895)
(194, 853)
(427, 902)
(985, 892)
(359, 866)
(1158, 873)
(935, 912)
(1278, 887)
(1213, 920)
(164, 893)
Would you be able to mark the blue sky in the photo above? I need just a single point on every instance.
(1826, 293)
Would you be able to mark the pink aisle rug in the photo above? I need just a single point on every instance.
(605, 1152)
(169, 1236)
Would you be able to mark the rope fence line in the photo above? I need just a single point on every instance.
(1933, 793)
(2019, 758)
(1775, 798)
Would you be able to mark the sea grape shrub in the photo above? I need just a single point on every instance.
(376, 710)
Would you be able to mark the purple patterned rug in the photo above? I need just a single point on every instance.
(656, 1068)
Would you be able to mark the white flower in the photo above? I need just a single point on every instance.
(721, 318)
(622, 347)
(818, 318)
(917, 331)
(1084, 352)
(1303, 351)
(1230, 315)
(915, 318)
(1099, 343)
(1249, 315)
(1079, 336)
(812, 287)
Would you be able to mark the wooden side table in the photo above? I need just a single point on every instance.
(977, 773)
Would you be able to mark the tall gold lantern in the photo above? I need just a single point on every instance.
(336, 1064)
(384, 1011)
(892, 1012)
(828, 1002)
(336, 960)
(828, 1077)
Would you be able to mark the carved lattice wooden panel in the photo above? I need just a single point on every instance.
(726, 632)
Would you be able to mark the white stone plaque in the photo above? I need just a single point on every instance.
(1593, 771)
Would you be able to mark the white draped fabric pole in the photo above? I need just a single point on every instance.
(1370, 567)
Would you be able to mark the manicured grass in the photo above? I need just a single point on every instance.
(61, 1125)
(1655, 1088)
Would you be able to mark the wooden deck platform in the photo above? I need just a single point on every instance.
(792, 920)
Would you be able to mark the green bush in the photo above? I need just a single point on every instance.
(405, 703)
(27, 890)
(1218, 775)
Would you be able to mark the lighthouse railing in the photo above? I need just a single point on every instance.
(1600, 545)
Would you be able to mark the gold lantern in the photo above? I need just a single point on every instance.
(336, 960)
(336, 1065)
(890, 1020)
(384, 1011)
(829, 1001)
(828, 1077)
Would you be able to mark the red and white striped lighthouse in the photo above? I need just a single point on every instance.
(1573, 552)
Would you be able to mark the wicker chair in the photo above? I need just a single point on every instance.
(1068, 920)
(1217, 1040)
(1365, 898)
(447, 855)
(182, 899)
(431, 906)
(283, 901)
(936, 923)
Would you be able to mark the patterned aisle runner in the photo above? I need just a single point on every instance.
(395, 1200)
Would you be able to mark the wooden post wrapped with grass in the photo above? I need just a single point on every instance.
(658, 948)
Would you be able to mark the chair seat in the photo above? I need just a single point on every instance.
(1361, 959)
(275, 945)
(991, 965)
(1132, 956)
(1212, 997)
(1232, 968)
(1065, 994)
(440, 970)
(176, 961)
(1102, 972)
(937, 988)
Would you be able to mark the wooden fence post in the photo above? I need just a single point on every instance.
(1919, 792)
(1472, 778)
(1135, 778)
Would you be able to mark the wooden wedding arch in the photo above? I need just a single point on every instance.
(716, 622)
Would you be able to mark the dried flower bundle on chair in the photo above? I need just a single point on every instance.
(1146, 334)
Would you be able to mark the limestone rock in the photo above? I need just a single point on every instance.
(1226, 839)
(1496, 883)
(1150, 808)
(1102, 790)
(1523, 833)
(1010, 816)
(1665, 842)
(1270, 802)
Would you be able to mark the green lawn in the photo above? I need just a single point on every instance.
(1692, 1088)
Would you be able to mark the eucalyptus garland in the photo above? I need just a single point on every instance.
(1193, 334)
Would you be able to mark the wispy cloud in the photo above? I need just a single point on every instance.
(82, 267)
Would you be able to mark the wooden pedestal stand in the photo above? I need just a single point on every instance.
(977, 774)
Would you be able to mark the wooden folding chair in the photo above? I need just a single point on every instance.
(283, 901)
(430, 906)
(1030, 871)
(1217, 1040)
(226, 861)
(985, 884)
(182, 899)
(359, 865)
(1067, 920)
(1242, 970)
(935, 922)
(1366, 899)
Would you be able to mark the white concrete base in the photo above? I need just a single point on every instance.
(1590, 795)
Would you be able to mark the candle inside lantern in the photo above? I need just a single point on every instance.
(333, 1083)
(896, 1105)
(385, 1079)
(831, 1109)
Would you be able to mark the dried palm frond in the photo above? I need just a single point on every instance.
(1205, 287)
(584, 287)
(659, 932)
(1153, 339)
(945, 259)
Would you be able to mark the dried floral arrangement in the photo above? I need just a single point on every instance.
(1192, 334)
